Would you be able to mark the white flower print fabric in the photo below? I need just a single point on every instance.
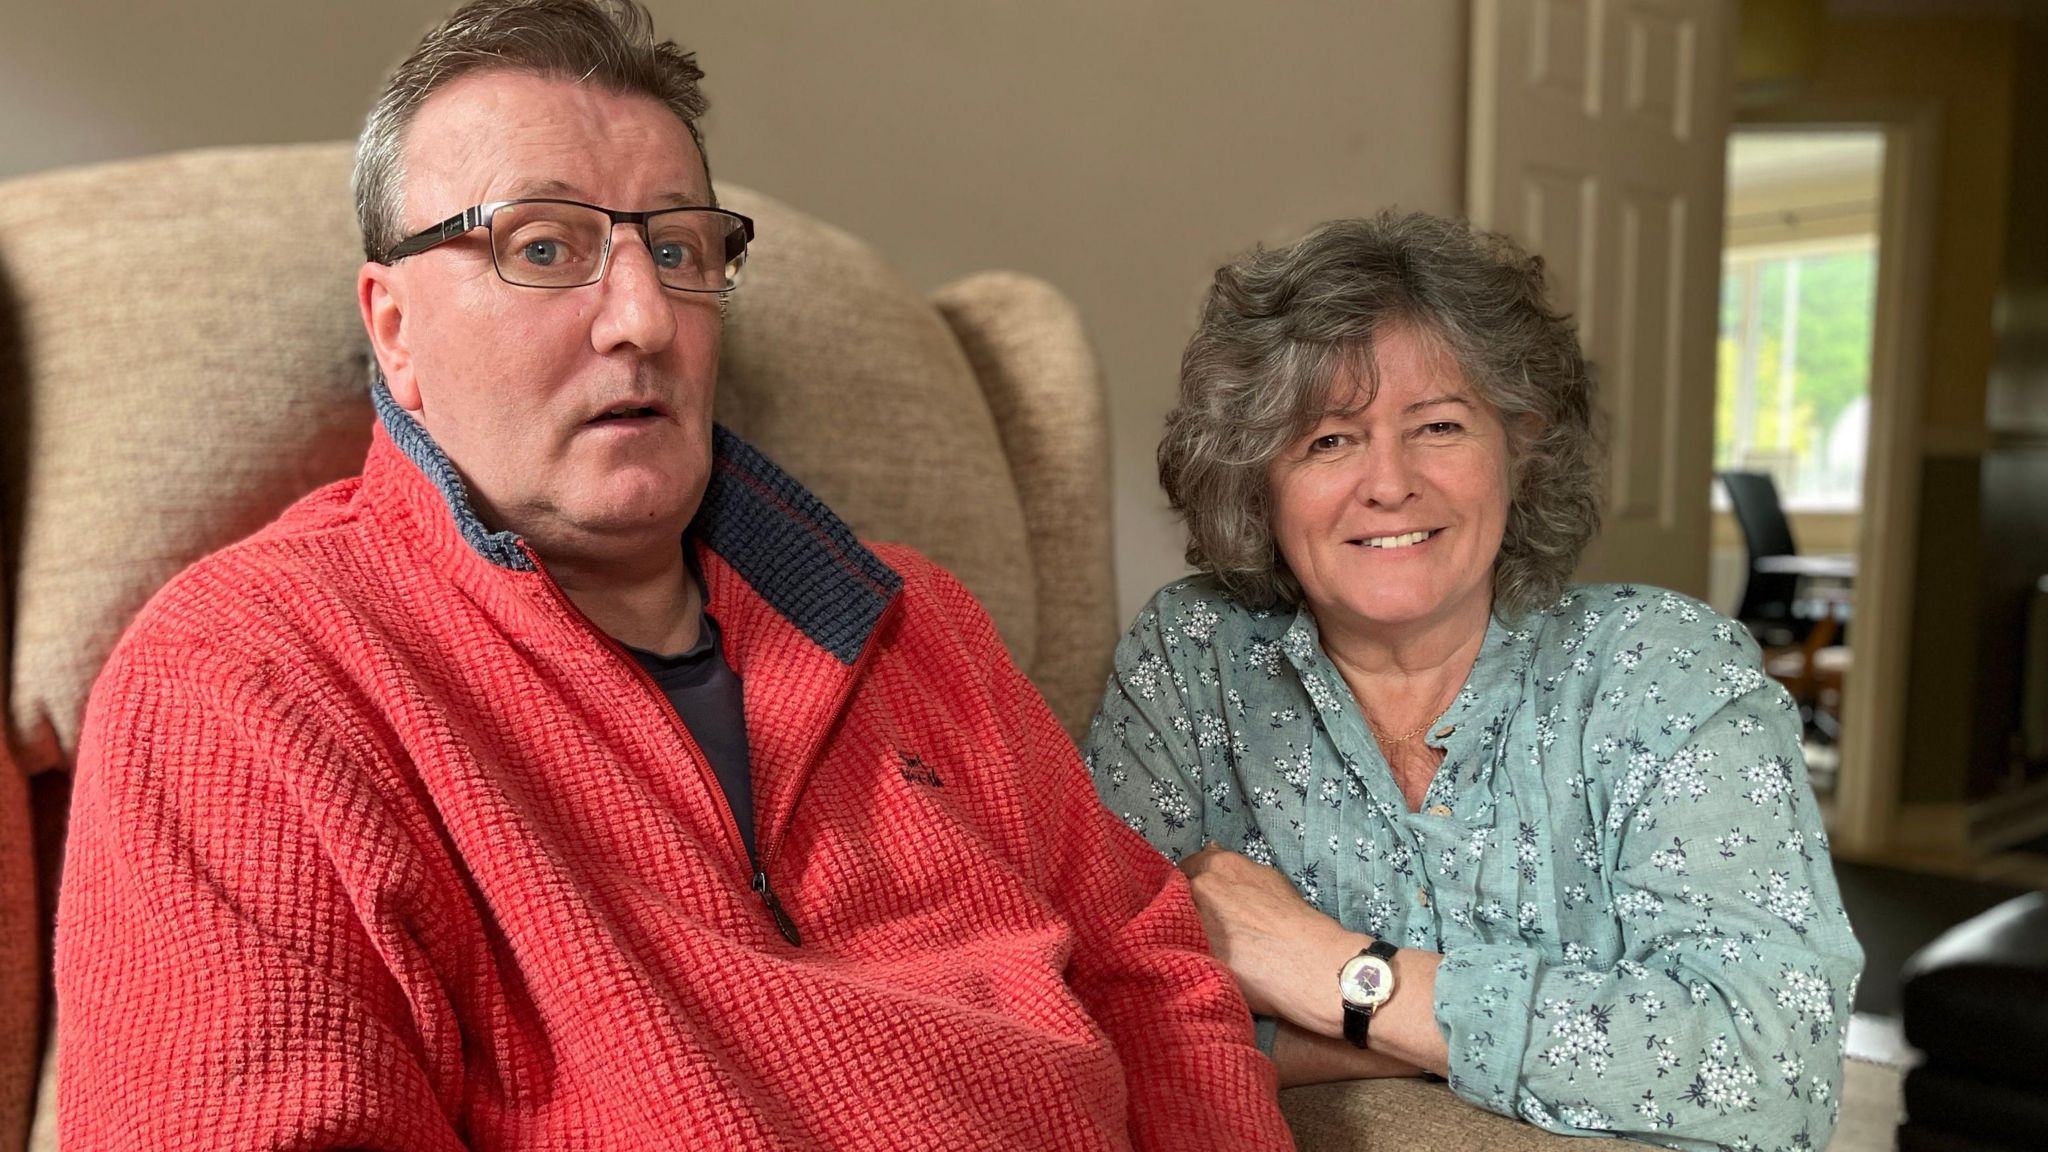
(1620, 858)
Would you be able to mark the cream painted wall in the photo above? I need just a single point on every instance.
(1965, 66)
(1119, 150)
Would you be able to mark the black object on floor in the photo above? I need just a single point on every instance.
(1895, 913)
(2038, 846)
(1976, 1006)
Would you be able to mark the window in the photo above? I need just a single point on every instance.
(1798, 289)
(1794, 394)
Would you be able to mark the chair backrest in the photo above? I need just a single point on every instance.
(1764, 527)
(180, 357)
(1766, 596)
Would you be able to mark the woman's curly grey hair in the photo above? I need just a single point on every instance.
(607, 42)
(1279, 325)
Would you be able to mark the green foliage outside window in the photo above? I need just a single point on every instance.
(1831, 362)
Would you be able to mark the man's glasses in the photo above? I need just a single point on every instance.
(567, 244)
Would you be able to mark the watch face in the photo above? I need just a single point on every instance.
(1366, 981)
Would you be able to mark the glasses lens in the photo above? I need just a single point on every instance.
(698, 249)
(549, 245)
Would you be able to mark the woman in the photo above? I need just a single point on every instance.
(1554, 843)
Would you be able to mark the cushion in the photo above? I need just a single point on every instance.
(1917, 1137)
(1038, 372)
(193, 364)
(1410, 1116)
(844, 375)
(1940, 1099)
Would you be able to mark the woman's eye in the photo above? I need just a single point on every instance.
(1327, 443)
(1443, 428)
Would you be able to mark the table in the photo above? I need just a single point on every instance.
(1837, 567)
(1825, 582)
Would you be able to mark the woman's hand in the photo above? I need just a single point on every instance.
(1284, 953)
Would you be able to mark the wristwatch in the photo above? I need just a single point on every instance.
(1366, 981)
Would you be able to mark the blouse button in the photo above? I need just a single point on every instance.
(1439, 810)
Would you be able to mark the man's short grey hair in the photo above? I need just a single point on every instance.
(606, 42)
(1281, 325)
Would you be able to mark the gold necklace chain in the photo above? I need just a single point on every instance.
(1380, 733)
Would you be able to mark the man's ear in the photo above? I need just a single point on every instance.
(380, 293)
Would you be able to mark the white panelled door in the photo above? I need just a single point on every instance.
(1597, 138)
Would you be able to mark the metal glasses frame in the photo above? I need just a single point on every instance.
(479, 216)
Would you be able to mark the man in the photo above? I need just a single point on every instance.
(573, 778)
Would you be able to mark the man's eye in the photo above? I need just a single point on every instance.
(674, 256)
(541, 252)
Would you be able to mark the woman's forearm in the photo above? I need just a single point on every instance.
(1304, 992)
(1304, 1057)
(1405, 1027)
(1286, 956)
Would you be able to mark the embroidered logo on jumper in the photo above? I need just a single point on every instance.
(915, 771)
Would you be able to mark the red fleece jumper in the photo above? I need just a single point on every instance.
(378, 843)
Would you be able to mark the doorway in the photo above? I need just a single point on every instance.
(1795, 411)
(1792, 406)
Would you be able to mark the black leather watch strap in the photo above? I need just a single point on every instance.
(1357, 1022)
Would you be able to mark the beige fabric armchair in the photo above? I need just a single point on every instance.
(180, 357)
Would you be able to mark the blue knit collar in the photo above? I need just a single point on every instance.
(500, 548)
(781, 539)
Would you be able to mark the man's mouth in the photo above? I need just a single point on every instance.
(1399, 540)
(627, 412)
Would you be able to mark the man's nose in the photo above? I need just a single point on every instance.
(636, 311)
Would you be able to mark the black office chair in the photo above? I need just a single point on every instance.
(1768, 598)
(1804, 648)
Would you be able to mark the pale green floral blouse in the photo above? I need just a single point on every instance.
(1620, 858)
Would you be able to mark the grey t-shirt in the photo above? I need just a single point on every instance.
(705, 692)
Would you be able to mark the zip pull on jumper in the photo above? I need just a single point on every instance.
(783, 923)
